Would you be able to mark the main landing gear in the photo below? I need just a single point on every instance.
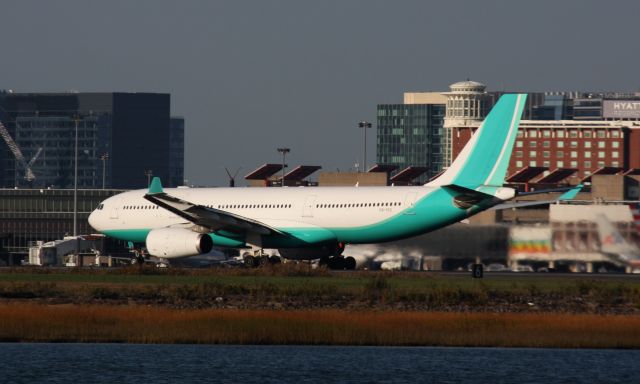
(339, 262)
(259, 259)
(139, 256)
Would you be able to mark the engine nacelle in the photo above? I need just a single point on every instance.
(177, 242)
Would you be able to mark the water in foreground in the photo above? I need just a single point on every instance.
(128, 363)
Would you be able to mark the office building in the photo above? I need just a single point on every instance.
(122, 137)
(410, 134)
(176, 152)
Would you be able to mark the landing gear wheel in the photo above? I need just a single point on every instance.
(349, 263)
(324, 261)
(249, 261)
(263, 260)
(275, 260)
(140, 259)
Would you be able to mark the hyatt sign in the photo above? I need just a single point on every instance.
(621, 109)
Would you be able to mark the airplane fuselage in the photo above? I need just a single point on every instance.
(310, 215)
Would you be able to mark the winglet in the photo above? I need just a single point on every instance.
(570, 194)
(155, 186)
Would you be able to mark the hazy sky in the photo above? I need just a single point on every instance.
(250, 76)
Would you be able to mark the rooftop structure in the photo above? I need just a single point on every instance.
(268, 175)
(526, 174)
(557, 176)
(301, 172)
(388, 168)
(408, 174)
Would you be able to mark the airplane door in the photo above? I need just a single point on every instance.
(307, 209)
(114, 213)
(409, 203)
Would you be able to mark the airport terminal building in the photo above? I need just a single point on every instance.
(31, 215)
(122, 138)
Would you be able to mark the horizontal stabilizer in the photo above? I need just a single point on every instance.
(466, 198)
(456, 189)
(571, 194)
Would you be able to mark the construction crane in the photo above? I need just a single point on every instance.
(17, 153)
(232, 179)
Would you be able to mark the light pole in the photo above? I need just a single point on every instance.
(149, 173)
(104, 158)
(365, 125)
(284, 152)
(76, 120)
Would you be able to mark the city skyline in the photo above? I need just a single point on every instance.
(251, 76)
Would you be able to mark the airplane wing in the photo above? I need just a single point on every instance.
(569, 194)
(210, 218)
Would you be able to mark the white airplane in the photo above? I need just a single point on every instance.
(615, 246)
(315, 223)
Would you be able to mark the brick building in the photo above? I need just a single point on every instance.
(584, 145)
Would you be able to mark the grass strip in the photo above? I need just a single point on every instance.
(21, 322)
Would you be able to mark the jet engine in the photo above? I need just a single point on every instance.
(177, 242)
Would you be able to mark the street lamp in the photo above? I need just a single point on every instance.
(104, 158)
(148, 173)
(76, 120)
(284, 152)
(365, 125)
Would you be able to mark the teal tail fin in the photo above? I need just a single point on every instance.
(485, 158)
(155, 186)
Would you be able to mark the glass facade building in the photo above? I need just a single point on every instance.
(176, 152)
(30, 215)
(411, 135)
(124, 134)
(554, 107)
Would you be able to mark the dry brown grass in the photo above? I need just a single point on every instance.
(145, 324)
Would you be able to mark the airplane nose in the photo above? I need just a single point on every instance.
(93, 220)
